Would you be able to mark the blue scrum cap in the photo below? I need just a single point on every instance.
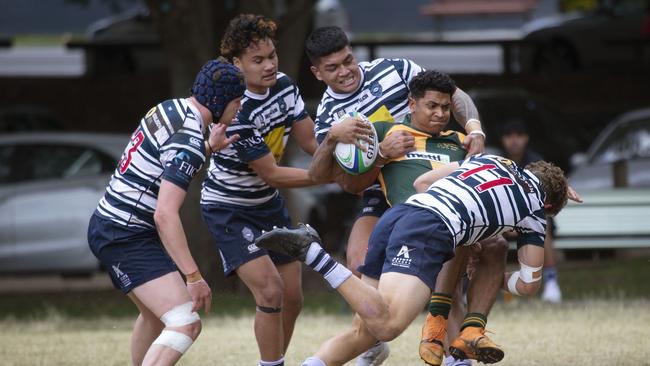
(218, 83)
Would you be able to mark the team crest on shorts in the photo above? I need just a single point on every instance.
(403, 258)
(123, 277)
(247, 233)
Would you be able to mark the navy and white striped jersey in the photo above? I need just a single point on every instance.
(382, 95)
(485, 197)
(263, 123)
(168, 144)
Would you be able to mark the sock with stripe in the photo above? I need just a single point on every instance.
(279, 362)
(474, 320)
(334, 272)
(440, 304)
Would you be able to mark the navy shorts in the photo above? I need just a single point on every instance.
(132, 256)
(409, 240)
(373, 203)
(234, 229)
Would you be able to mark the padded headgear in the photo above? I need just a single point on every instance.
(217, 83)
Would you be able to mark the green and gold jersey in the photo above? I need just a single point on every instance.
(397, 176)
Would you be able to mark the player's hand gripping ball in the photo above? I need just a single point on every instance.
(351, 158)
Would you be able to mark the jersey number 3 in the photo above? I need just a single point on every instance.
(136, 141)
(503, 181)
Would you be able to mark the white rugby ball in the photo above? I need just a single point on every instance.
(352, 159)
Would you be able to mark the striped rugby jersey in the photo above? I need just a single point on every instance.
(487, 196)
(263, 123)
(168, 144)
(382, 95)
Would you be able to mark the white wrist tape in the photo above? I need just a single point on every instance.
(512, 283)
(527, 273)
(477, 132)
(180, 316)
(473, 120)
(174, 340)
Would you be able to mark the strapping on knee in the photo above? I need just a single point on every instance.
(180, 315)
(269, 309)
(174, 340)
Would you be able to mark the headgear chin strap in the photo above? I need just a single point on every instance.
(217, 83)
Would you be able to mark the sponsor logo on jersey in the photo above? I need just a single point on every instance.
(194, 141)
(121, 276)
(375, 89)
(182, 159)
(403, 258)
(423, 155)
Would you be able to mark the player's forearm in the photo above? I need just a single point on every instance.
(357, 183)
(463, 107)
(172, 235)
(287, 177)
(321, 169)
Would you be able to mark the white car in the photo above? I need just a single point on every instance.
(50, 184)
(622, 149)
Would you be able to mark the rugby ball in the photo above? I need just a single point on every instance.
(352, 159)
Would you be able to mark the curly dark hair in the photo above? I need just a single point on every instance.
(431, 80)
(324, 41)
(554, 184)
(244, 30)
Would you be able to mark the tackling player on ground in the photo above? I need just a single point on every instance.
(240, 196)
(460, 204)
(136, 231)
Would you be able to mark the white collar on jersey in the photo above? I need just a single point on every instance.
(197, 114)
(336, 95)
(252, 95)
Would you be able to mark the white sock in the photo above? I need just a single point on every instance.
(333, 272)
(313, 361)
(279, 362)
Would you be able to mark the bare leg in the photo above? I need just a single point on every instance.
(485, 283)
(291, 274)
(159, 296)
(348, 345)
(263, 280)
(358, 242)
(147, 327)
(388, 310)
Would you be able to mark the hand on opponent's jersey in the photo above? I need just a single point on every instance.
(397, 144)
(218, 140)
(350, 131)
(474, 144)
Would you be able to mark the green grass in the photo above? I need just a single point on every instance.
(591, 332)
(603, 279)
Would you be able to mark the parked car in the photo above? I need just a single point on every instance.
(610, 36)
(28, 118)
(50, 184)
(622, 148)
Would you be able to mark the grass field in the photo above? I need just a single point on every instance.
(608, 332)
(606, 321)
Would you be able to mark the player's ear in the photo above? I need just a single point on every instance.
(411, 103)
(237, 62)
(316, 72)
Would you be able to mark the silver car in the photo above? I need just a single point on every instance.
(50, 184)
(620, 155)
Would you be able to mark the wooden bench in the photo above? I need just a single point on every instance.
(441, 8)
(616, 218)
